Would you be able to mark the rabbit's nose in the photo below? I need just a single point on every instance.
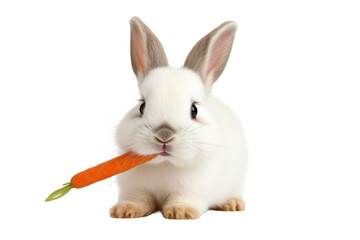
(164, 134)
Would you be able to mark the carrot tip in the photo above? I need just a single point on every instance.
(59, 193)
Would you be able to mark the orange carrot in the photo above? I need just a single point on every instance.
(100, 172)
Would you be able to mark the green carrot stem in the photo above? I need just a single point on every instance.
(59, 193)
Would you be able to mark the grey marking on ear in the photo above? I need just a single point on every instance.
(147, 51)
(210, 54)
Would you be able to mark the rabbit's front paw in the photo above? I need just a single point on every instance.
(179, 212)
(233, 204)
(127, 210)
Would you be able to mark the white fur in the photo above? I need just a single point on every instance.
(209, 157)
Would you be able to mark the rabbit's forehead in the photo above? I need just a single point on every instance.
(176, 84)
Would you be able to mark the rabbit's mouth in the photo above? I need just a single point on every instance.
(165, 154)
(165, 150)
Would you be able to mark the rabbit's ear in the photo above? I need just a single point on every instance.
(209, 56)
(147, 52)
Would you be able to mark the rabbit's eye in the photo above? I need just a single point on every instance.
(194, 111)
(141, 109)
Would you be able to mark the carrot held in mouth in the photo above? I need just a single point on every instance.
(102, 171)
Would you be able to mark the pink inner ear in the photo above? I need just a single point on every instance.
(139, 50)
(140, 62)
(217, 51)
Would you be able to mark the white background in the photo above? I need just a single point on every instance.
(293, 78)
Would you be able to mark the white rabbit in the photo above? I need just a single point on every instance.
(202, 158)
